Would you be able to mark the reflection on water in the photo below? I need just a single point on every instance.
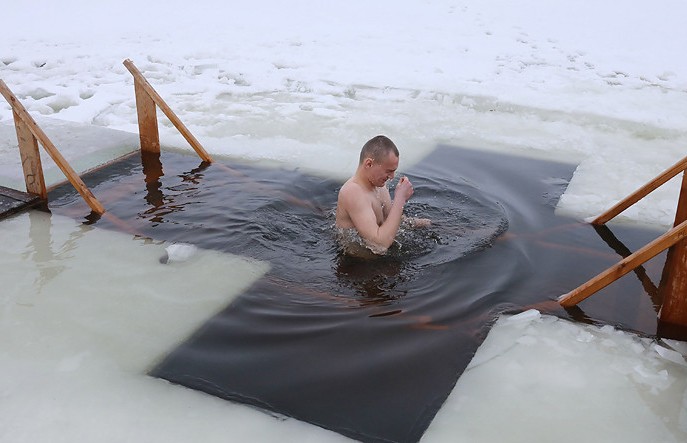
(372, 347)
(374, 280)
(607, 235)
(43, 250)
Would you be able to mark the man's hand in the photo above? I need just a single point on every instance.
(420, 222)
(404, 189)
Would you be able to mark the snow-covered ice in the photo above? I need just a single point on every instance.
(537, 378)
(600, 84)
(83, 145)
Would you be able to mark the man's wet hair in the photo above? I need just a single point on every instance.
(377, 148)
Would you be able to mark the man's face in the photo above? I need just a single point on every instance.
(380, 172)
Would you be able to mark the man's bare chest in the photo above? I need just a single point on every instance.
(377, 207)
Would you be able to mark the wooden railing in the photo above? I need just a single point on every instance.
(673, 286)
(626, 265)
(28, 136)
(146, 99)
(641, 192)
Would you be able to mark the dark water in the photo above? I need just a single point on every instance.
(368, 348)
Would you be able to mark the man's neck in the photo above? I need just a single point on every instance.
(363, 181)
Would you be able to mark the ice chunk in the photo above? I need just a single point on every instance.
(679, 346)
(670, 355)
(607, 329)
(179, 252)
(527, 316)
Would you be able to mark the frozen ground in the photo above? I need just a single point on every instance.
(603, 85)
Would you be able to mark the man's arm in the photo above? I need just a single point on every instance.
(412, 222)
(415, 222)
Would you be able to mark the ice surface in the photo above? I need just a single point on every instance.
(78, 338)
(535, 381)
(84, 146)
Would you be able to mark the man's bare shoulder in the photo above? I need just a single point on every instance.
(351, 196)
(351, 190)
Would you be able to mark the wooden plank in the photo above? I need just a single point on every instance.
(626, 265)
(14, 194)
(30, 159)
(147, 119)
(641, 192)
(13, 201)
(195, 144)
(37, 132)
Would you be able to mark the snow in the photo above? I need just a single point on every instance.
(598, 84)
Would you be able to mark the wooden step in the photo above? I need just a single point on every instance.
(13, 201)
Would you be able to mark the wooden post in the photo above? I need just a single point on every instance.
(38, 133)
(673, 286)
(152, 93)
(626, 265)
(641, 192)
(147, 119)
(30, 159)
(681, 212)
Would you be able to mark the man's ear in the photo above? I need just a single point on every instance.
(368, 162)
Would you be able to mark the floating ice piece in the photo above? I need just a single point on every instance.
(670, 355)
(608, 329)
(679, 346)
(179, 252)
(527, 316)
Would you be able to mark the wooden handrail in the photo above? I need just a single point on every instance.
(641, 192)
(673, 287)
(626, 265)
(30, 124)
(142, 85)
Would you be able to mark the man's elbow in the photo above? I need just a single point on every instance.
(378, 247)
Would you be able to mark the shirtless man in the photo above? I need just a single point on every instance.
(365, 203)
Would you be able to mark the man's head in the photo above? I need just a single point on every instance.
(379, 160)
(378, 148)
